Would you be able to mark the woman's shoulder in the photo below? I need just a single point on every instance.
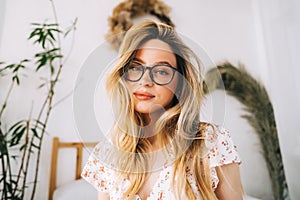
(212, 129)
(213, 132)
(220, 145)
(98, 171)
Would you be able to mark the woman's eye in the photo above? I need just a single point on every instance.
(135, 68)
(162, 72)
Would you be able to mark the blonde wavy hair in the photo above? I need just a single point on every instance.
(178, 128)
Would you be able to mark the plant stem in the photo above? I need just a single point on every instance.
(4, 194)
(39, 150)
(52, 86)
(44, 128)
(50, 98)
(23, 160)
(72, 44)
(6, 99)
(8, 166)
(3, 140)
(56, 21)
(32, 140)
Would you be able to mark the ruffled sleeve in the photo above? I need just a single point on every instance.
(221, 150)
(96, 173)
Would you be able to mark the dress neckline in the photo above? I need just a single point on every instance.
(163, 173)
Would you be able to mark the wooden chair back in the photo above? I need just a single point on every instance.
(56, 145)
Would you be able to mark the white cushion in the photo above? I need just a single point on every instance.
(75, 190)
(247, 197)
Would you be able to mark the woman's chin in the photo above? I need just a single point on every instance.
(149, 109)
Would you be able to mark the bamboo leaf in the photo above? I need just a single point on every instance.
(44, 42)
(72, 27)
(3, 146)
(19, 66)
(16, 128)
(34, 33)
(16, 124)
(52, 70)
(16, 79)
(9, 187)
(42, 85)
(55, 24)
(35, 133)
(25, 60)
(53, 50)
(44, 34)
(22, 147)
(15, 157)
(51, 35)
(7, 67)
(36, 24)
(55, 30)
(43, 62)
(17, 136)
(41, 124)
(35, 146)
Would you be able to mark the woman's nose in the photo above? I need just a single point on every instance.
(146, 79)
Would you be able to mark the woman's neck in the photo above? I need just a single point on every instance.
(149, 129)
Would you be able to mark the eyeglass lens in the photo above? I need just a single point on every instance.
(160, 74)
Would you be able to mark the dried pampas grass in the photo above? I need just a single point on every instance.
(259, 113)
(121, 19)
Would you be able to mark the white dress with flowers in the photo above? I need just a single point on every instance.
(221, 151)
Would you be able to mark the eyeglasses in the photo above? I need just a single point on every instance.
(161, 74)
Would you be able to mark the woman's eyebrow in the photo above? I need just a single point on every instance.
(139, 61)
(163, 62)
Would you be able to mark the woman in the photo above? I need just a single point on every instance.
(164, 151)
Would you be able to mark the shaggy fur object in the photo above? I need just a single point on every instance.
(260, 115)
(120, 21)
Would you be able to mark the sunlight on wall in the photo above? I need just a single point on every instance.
(2, 11)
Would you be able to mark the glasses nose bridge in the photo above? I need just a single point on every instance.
(149, 68)
(145, 71)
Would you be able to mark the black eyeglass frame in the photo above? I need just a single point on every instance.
(150, 68)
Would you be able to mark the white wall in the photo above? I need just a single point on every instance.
(2, 9)
(229, 30)
(280, 23)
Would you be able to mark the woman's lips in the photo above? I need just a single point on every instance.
(143, 95)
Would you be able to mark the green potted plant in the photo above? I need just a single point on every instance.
(21, 143)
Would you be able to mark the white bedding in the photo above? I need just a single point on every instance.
(75, 190)
(80, 189)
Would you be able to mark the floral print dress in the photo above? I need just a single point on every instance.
(221, 151)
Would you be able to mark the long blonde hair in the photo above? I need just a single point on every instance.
(179, 126)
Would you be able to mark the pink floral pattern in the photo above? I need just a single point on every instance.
(221, 151)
